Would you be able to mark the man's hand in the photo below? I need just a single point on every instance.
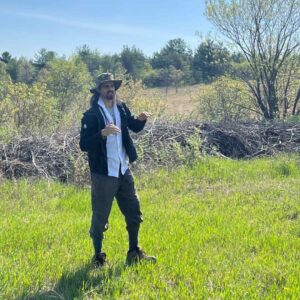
(143, 116)
(110, 129)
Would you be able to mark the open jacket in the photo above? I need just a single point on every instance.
(92, 141)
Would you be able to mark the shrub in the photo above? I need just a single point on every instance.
(133, 93)
(26, 110)
(225, 100)
(69, 81)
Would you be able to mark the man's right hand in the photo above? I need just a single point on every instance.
(110, 129)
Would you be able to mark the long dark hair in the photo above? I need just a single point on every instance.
(94, 99)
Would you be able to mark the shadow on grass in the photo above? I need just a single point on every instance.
(78, 284)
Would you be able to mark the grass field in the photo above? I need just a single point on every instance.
(220, 229)
(180, 103)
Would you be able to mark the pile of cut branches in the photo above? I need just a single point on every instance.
(233, 140)
(50, 157)
(159, 144)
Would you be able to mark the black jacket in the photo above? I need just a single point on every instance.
(91, 140)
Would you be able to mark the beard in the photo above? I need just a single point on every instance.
(110, 96)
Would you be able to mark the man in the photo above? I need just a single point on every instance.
(105, 136)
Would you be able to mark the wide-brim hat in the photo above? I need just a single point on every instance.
(103, 78)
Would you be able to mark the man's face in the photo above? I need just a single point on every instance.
(107, 91)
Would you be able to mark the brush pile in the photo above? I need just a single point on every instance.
(159, 144)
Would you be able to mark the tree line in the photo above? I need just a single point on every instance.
(264, 58)
(175, 64)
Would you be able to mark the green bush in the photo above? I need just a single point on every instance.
(69, 81)
(133, 93)
(26, 110)
(225, 100)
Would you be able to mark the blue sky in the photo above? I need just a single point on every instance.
(26, 26)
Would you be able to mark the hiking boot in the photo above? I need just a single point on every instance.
(137, 255)
(99, 260)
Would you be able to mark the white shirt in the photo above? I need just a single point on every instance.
(116, 153)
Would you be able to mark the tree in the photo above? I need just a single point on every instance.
(110, 63)
(134, 61)
(6, 57)
(26, 110)
(288, 85)
(26, 71)
(175, 53)
(69, 81)
(4, 76)
(43, 57)
(267, 33)
(211, 60)
(175, 76)
(225, 100)
(238, 57)
(151, 78)
(92, 59)
(165, 78)
(13, 69)
(19, 70)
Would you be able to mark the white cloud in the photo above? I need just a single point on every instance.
(110, 28)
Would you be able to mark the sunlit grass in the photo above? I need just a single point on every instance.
(221, 229)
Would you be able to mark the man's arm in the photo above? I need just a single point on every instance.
(90, 137)
(133, 123)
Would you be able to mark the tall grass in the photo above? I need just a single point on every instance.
(221, 229)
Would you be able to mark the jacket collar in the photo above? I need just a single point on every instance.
(96, 111)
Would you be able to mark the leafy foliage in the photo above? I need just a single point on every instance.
(132, 92)
(267, 33)
(43, 57)
(26, 110)
(92, 59)
(211, 60)
(69, 81)
(134, 62)
(225, 100)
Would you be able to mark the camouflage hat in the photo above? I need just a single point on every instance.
(105, 77)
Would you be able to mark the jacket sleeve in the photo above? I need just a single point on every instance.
(90, 136)
(133, 123)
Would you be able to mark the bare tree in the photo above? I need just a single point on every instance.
(267, 33)
(288, 86)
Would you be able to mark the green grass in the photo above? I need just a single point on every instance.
(221, 229)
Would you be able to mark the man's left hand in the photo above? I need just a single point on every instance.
(143, 116)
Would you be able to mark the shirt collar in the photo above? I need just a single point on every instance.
(101, 103)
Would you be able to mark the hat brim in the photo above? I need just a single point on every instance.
(117, 84)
